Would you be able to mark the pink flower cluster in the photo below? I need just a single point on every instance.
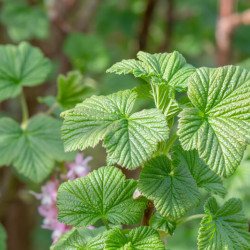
(48, 208)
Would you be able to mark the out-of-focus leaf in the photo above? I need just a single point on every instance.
(72, 89)
(21, 65)
(32, 150)
(87, 52)
(25, 22)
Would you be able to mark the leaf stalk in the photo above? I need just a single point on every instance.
(192, 217)
(106, 223)
(25, 112)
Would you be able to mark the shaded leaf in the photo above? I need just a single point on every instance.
(172, 188)
(225, 227)
(145, 238)
(72, 89)
(203, 175)
(158, 222)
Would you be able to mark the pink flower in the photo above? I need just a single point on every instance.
(48, 208)
(79, 168)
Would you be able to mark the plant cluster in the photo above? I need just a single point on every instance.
(183, 144)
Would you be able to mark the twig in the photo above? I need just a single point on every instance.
(227, 23)
(147, 214)
(169, 25)
(146, 24)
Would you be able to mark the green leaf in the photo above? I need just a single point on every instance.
(129, 139)
(21, 65)
(163, 97)
(164, 100)
(102, 194)
(98, 242)
(219, 124)
(203, 175)
(32, 151)
(165, 68)
(69, 241)
(24, 22)
(73, 89)
(225, 227)
(145, 238)
(172, 188)
(78, 238)
(3, 237)
(161, 223)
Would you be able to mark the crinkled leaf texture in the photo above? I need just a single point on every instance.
(162, 68)
(73, 89)
(145, 238)
(163, 97)
(130, 139)
(218, 125)
(203, 175)
(21, 65)
(224, 228)
(102, 194)
(172, 188)
(158, 222)
(32, 151)
(80, 238)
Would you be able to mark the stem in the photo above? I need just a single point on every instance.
(52, 109)
(25, 112)
(147, 214)
(105, 223)
(170, 143)
(192, 217)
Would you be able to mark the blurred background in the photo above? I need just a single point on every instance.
(91, 35)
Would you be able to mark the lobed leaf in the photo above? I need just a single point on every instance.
(80, 238)
(172, 188)
(163, 68)
(145, 238)
(203, 175)
(72, 89)
(158, 222)
(225, 227)
(218, 125)
(129, 139)
(24, 22)
(102, 194)
(21, 65)
(32, 151)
